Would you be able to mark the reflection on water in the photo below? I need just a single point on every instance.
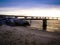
(36, 24)
(52, 25)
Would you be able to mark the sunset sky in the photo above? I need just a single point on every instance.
(30, 7)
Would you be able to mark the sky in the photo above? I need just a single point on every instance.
(30, 7)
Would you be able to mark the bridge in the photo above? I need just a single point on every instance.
(44, 19)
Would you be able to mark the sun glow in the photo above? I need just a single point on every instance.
(50, 12)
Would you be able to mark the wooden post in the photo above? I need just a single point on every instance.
(25, 17)
(44, 24)
(16, 17)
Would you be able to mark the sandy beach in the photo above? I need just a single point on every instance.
(25, 36)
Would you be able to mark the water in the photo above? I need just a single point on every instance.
(52, 25)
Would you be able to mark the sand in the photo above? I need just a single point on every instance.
(19, 35)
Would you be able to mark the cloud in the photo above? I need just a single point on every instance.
(50, 12)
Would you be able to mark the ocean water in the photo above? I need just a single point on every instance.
(52, 25)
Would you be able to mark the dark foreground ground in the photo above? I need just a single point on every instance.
(26, 36)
